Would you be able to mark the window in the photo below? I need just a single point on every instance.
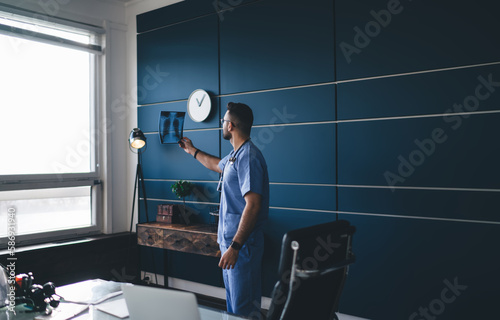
(49, 168)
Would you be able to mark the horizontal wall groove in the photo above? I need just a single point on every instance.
(436, 115)
(294, 124)
(277, 89)
(177, 23)
(173, 180)
(348, 212)
(303, 209)
(330, 185)
(188, 130)
(421, 116)
(418, 188)
(333, 82)
(302, 184)
(244, 93)
(271, 183)
(419, 217)
(180, 201)
(257, 126)
(158, 103)
(419, 72)
(388, 215)
(202, 129)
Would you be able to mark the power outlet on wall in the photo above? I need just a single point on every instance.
(147, 278)
(151, 278)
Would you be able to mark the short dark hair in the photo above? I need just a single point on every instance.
(242, 114)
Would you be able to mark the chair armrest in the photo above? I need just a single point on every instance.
(307, 274)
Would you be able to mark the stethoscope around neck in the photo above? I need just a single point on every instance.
(232, 160)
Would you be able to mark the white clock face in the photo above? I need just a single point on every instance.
(199, 105)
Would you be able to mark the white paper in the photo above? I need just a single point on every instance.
(117, 308)
(64, 311)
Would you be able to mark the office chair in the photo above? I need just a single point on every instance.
(312, 271)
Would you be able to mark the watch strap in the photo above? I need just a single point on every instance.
(235, 245)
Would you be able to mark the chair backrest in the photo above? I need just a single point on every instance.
(319, 266)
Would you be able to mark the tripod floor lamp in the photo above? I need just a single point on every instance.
(138, 144)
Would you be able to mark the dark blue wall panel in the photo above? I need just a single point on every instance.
(314, 197)
(293, 154)
(285, 59)
(462, 90)
(198, 212)
(203, 192)
(385, 153)
(148, 116)
(151, 259)
(448, 204)
(276, 43)
(172, 62)
(169, 161)
(417, 35)
(185, 10)
(178, 12)
(408, 261)
(205, 195)
(195, 268)
(308, 104)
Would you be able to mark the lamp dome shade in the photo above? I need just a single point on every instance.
(137, 139)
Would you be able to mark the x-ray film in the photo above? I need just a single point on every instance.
(171, 125)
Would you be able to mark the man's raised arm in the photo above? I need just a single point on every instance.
(209, 161)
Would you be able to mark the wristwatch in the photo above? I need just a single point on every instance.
(235, 245)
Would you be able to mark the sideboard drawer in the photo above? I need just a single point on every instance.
(150, 236)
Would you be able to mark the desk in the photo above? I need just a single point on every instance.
(84, 291)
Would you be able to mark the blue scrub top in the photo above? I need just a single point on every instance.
(247, 173)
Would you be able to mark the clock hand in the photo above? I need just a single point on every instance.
(200, 102)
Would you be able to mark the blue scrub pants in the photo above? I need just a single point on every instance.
(243, 283)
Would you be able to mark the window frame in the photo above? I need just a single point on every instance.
(65, 180)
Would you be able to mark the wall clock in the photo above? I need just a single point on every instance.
(199, 105)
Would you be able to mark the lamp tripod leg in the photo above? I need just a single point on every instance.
(133, 199)
(141, 179)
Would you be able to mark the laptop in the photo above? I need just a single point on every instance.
(157, 303)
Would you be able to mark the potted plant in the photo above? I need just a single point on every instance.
(183, 189)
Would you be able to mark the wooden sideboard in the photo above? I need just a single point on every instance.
(197, 239)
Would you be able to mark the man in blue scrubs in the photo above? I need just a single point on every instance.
(244, 207)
